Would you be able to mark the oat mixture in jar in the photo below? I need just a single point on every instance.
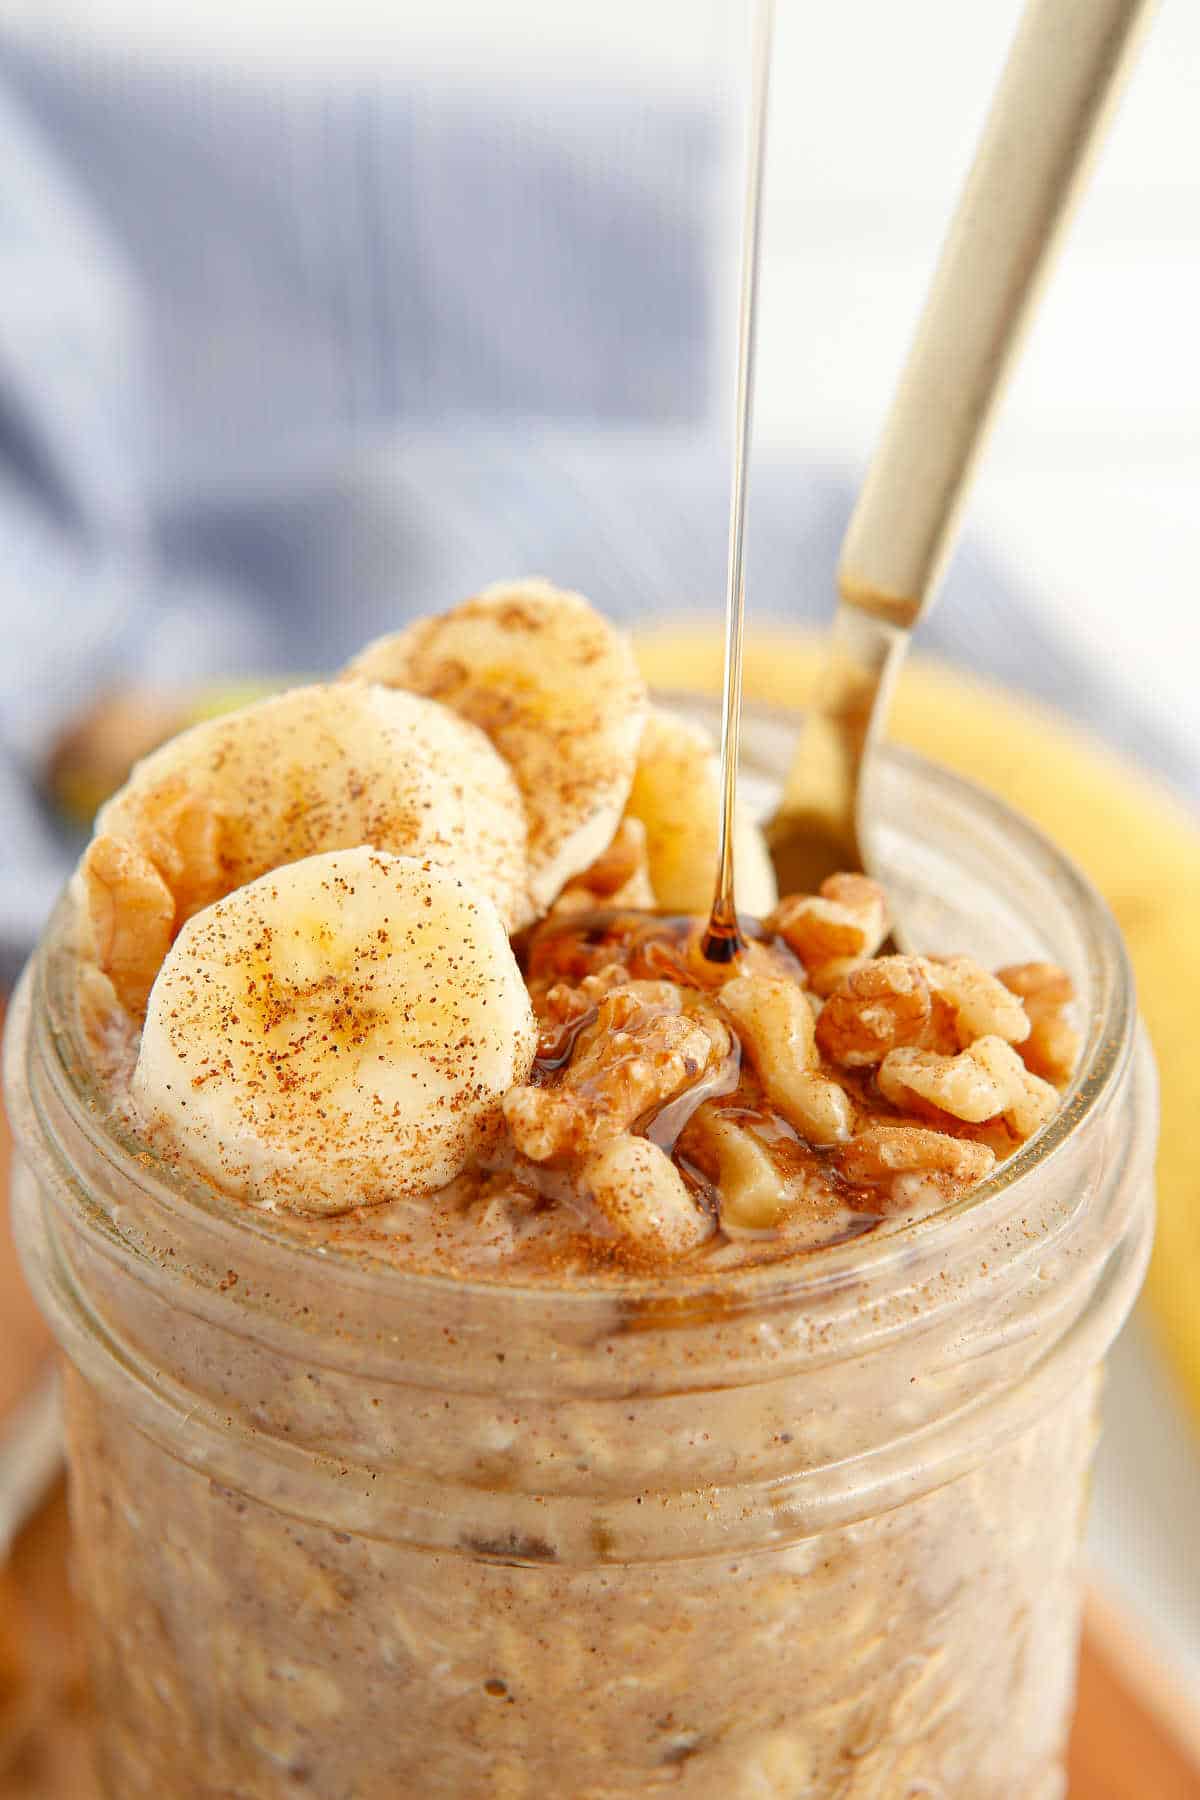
(510, 1354)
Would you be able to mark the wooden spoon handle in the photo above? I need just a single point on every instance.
(1058, 85)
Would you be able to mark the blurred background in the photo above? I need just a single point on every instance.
(311, 318)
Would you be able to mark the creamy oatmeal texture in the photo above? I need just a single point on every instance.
(476, 1441)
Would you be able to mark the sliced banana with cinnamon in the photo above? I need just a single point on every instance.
(319, 768)
(339, 1032)
(558, 692)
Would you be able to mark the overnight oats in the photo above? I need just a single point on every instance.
(508, 1353)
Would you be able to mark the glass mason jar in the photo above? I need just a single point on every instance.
(810, 1529)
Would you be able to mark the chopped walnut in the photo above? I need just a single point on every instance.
(982, 1005)
(1029, 1101)
(1052, 1047)
(561, 1007)
(745, 1075)
(880, 1153)
(179, 829)
(130, 918)
(643, 1196)
(987, 1080)
(917, 1002)
(620, 877)
(638, 1053)
(612, 977)
(775, 1023)
(747, 1177)
(884, 1004)
(959, 1085)
(832, 931)
(558, 951)
(140, 884)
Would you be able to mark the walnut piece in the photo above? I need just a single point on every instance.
(619, 877)
(140, 887)
(1052, 1047)
(775, 1023)
(752, 1188)
(832, 931)
(128, 917)
(982, 1005)
(878, 1007)
(880, 1153)
(640, 1051)
(985, 1081)
(643, 1196)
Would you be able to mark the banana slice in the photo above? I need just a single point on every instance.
(318, 768)
(677, 797)
(558, 692)
(337, 1033)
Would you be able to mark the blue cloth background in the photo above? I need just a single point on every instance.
(284, 362)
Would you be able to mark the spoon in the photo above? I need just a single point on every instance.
(1048, 116)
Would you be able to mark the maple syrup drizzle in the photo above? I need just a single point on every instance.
(723, 941)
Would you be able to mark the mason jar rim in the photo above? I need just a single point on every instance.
(1106, 1051)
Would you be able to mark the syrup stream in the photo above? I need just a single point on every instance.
(723, 940)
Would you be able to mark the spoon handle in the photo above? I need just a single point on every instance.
(1061, 77)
